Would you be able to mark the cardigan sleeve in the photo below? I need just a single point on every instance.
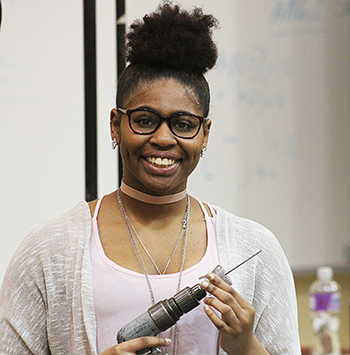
(46, 301)
(23, 306)
(265, 281)
(276, 323)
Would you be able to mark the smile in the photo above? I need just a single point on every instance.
(160, 163)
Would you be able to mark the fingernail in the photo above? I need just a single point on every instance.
(210, 276)
(206, 307)
(205, 283)
(168, 341)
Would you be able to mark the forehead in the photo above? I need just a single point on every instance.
(165, 96)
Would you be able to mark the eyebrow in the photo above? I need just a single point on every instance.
(173, 113)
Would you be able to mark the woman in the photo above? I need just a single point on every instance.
(77, 280)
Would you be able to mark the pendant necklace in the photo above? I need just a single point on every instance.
(132, 234)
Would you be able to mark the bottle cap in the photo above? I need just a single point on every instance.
(325, 273)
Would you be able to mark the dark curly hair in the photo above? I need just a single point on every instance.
(170, 43)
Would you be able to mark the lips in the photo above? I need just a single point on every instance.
(161, 162)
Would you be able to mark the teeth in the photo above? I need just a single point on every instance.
(161, 163)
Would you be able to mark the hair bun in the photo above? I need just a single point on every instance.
(174, 38)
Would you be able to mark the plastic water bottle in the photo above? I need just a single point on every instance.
(324, 309)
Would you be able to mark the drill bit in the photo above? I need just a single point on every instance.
(243, 262)
(219, 270)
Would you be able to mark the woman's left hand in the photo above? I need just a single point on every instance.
(236, 323)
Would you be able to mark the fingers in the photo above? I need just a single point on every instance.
(234, 308)
(224, 292)
(232, 315)
(131, 346)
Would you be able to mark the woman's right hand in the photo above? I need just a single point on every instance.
(131, 346)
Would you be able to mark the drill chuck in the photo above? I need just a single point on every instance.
(189, 298)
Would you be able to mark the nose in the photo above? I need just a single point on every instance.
(163, 137)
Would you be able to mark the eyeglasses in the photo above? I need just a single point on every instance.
(147, 121)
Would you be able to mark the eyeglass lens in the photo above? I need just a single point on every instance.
(145, 122)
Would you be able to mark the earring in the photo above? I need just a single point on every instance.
(114, 143)
(203, 152)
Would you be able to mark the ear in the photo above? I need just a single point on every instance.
(115, 124)
(207, 126)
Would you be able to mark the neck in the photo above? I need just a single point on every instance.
(152, 199)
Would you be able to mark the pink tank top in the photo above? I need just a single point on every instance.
(120, 295)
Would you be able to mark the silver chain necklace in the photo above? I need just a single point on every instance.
(132, 233)
(148, 253)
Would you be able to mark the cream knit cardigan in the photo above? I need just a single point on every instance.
(46, 300)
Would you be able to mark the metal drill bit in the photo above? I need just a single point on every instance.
(243, 262)
(219, 270)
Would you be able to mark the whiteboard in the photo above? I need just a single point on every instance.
(42, 112)
(42, 118)
(279, 146)
(278, 149)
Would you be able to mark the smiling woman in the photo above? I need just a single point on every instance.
(77, 280)
(155, 160)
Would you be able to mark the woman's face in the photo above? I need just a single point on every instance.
(159, 163)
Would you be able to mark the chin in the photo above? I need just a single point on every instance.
(163, 188)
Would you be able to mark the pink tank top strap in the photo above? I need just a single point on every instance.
(205, 211)
(97, 208)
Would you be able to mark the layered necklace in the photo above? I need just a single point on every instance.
(133, 235)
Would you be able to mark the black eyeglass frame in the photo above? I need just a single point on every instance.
(166, 118)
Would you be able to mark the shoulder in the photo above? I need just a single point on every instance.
(53, 241)
(73, 223)
(49, 251)
(238, 238)
(238, 228)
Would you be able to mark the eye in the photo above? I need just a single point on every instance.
(184, 123)
(143, 119)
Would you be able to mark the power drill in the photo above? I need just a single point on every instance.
(164, 314)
